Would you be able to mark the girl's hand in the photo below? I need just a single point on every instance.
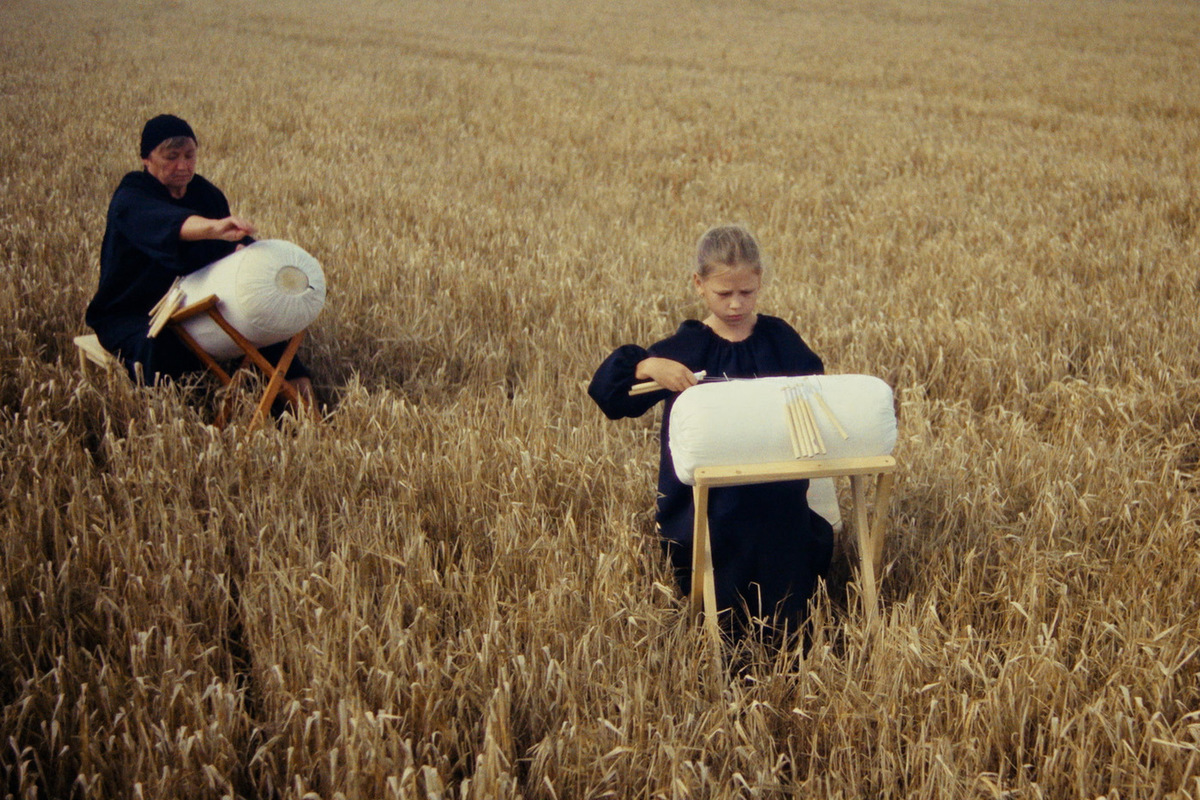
(668, 373)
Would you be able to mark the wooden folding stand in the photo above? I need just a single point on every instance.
(276, 382)
(868, 531)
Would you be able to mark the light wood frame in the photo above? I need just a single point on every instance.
(277, 384)
(869, 531)
(90, 351)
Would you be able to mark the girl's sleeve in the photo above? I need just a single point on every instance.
(612, 381)
(810, 362)
(797, 357)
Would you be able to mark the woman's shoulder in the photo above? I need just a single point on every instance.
(203, 184)
(203, 187)
(137, 191)
(139, 181)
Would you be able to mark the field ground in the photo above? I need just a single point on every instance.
(451, 588)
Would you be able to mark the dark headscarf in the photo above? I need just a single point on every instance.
(161, 128)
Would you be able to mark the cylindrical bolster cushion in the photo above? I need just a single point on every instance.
(268, 290)
(822, 498)
(745, 422)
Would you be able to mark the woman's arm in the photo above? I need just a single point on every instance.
(230, 229)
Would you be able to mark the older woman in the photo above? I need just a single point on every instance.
(163, 222)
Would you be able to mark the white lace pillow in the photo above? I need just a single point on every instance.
(269, 291)
(746, 422)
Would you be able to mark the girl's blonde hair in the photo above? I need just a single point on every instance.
(727, 246)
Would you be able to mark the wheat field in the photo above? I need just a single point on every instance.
(451, 587)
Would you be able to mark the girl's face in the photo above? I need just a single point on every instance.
(730, 294)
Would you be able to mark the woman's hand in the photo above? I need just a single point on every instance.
(667, 373)
(229, 229)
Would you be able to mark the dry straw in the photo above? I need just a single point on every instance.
(452, 588)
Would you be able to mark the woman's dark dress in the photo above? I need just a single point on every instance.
(769, 548)
(141, 256)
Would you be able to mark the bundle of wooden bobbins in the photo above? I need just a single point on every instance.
(807, 440)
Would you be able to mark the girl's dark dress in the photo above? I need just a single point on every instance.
(768, 547)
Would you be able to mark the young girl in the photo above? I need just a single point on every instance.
(769, 548)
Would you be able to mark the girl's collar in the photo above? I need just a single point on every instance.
(749, 334)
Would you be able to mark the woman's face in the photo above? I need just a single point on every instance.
(173, 165)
